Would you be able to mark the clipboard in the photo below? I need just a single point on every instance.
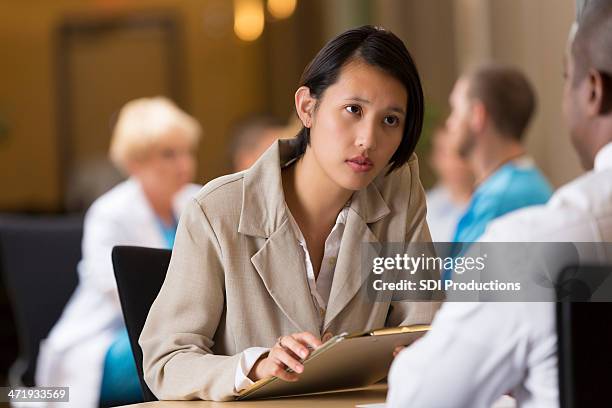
(344, 361)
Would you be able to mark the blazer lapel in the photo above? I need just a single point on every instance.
(368, 206)
(349, 276)
(280, 263)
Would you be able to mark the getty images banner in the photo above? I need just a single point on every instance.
(490, 272)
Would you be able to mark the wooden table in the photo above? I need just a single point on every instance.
(370, 395)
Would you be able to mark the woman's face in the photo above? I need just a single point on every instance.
(168, 166)
(358, 125)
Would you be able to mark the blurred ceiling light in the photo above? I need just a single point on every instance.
(281, 8)
(248, 19)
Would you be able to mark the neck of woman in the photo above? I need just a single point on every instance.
(161, 203)
(312, 197)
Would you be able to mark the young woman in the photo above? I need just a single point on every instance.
(88, 349)
(267, 261)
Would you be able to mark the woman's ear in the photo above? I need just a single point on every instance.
(305, 105)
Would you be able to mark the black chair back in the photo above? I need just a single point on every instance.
(584, 337)
(140, 273)
(38, 258)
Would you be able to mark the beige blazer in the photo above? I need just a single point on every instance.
(237, 277)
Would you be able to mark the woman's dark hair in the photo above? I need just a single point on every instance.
(379, 48)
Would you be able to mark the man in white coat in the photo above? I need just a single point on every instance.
(477, 352)
(153, 142)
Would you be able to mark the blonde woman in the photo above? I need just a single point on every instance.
(88, 349)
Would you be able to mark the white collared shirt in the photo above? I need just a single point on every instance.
(320, 287)
(478, 351)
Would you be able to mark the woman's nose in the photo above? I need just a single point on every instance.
(366, 138)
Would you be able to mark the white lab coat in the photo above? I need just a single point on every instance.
(443, 214)
(73, 353)
(478, 351)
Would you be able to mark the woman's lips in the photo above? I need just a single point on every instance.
(360, 164)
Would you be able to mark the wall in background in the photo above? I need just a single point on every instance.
(533, 35)
(222, 79)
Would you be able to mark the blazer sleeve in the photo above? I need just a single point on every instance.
(405, 313)
(178, 335)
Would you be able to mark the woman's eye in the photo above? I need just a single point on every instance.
(391, 120)
(168, 154)
(354, 109)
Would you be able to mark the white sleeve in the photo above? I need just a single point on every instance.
(474, 354)
(101, 231)
(247, 360)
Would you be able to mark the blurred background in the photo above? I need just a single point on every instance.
(67, 67)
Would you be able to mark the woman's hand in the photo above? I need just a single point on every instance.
(288, 352)
(398, 350)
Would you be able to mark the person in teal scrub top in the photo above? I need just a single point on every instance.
(491, 108)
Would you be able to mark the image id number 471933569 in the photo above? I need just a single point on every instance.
(34, 394)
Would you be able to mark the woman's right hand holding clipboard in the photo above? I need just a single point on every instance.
(284, 360)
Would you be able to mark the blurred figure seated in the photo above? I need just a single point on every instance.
(88, 349)
(251, 137)
(448, 200)
(88, 179)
